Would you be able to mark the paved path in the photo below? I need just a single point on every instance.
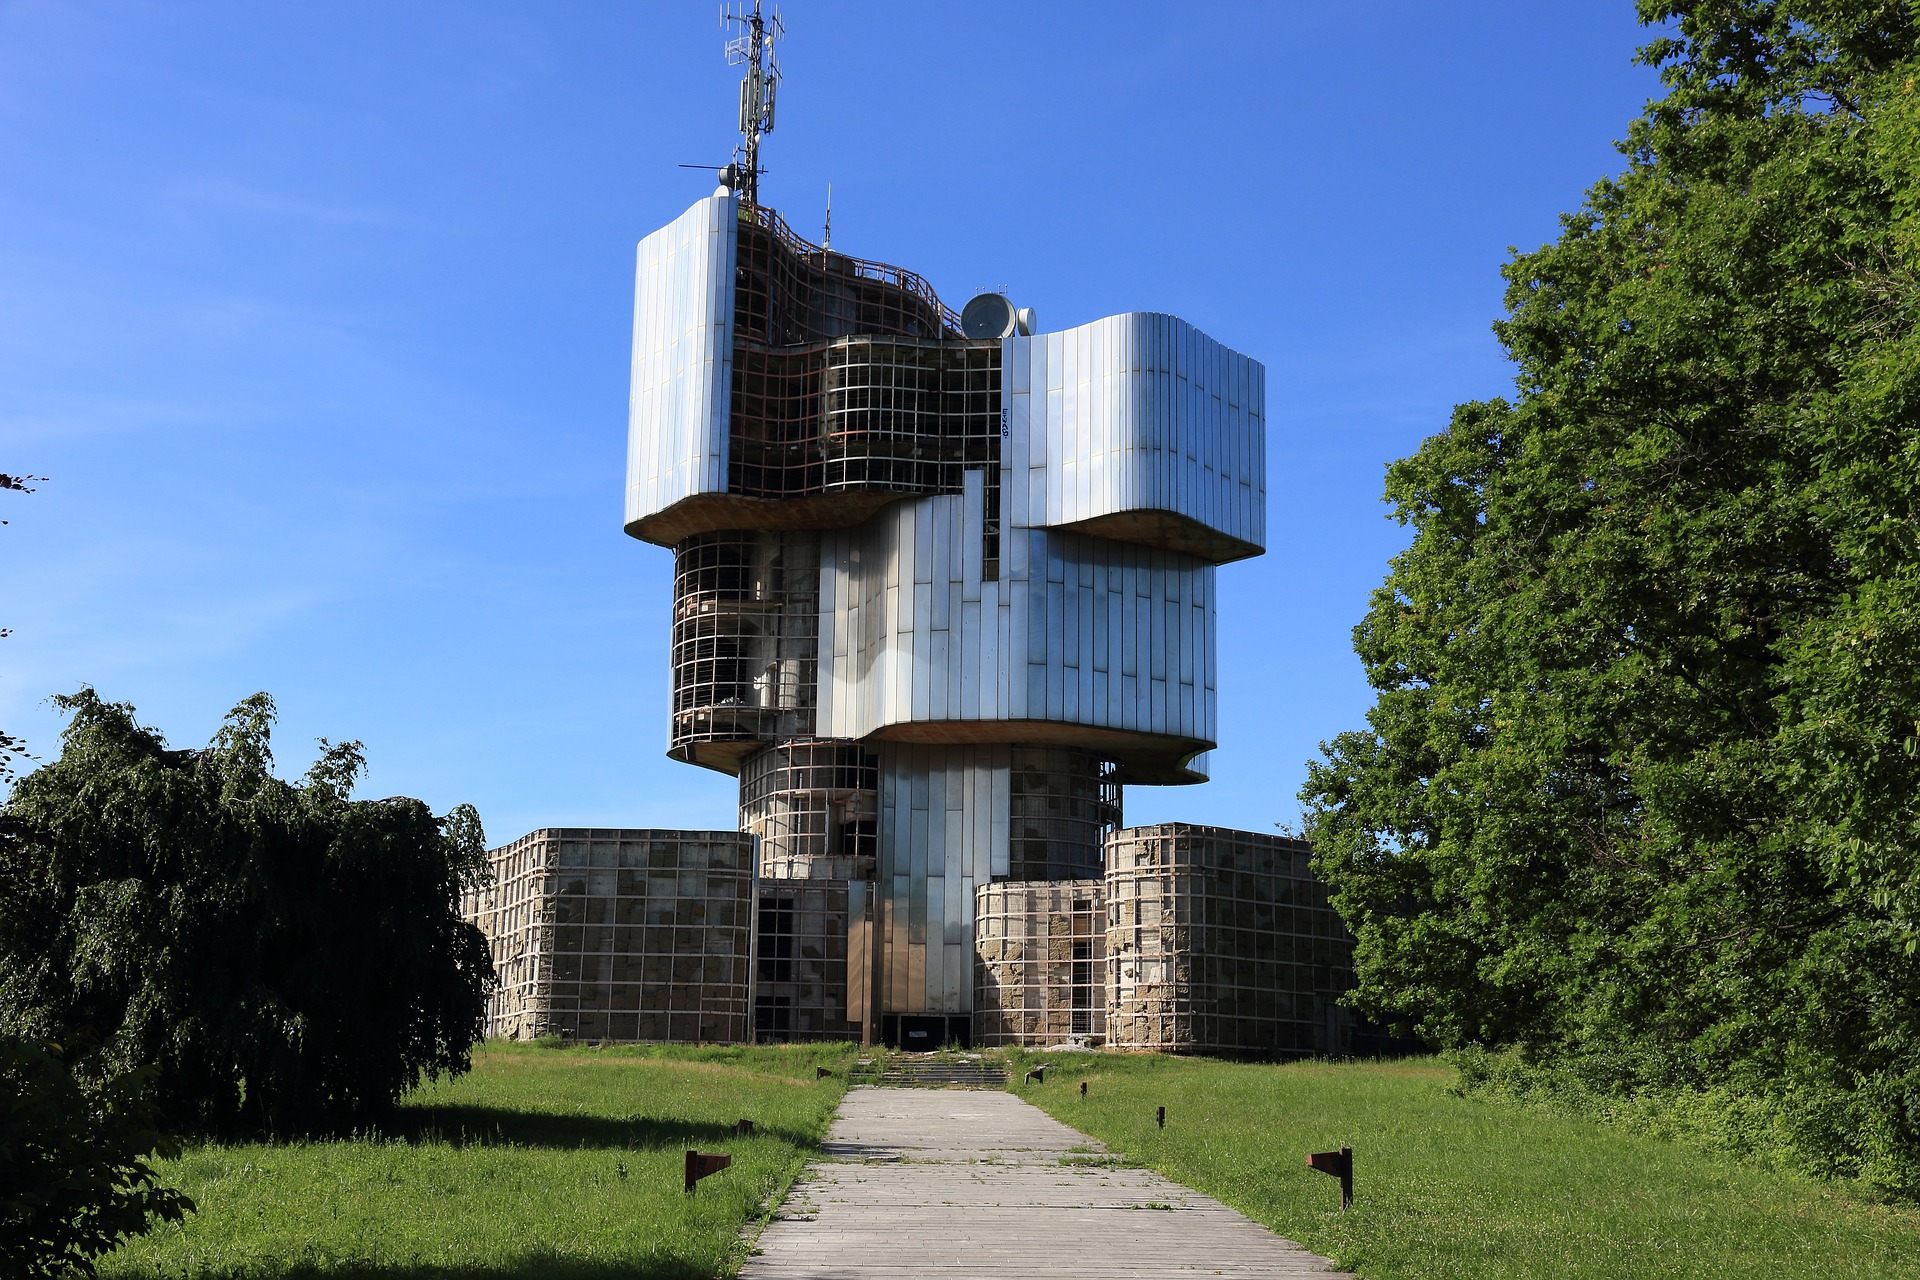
(950, 1183)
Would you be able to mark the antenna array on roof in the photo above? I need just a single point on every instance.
(752, 47)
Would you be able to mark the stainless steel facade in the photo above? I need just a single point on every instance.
(682, 371)
(1008, 548)
(1141, 427)
(1077, 639)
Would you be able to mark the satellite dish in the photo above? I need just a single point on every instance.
(990, 315)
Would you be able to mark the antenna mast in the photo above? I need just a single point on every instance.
(753, 48)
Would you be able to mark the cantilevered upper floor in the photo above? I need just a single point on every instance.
(779, 385)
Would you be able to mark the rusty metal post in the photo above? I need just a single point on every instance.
(1339, 1164)
(1160, 1117)
(702, 1163)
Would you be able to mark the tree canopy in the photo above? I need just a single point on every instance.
(1642, 777)
(286, 958)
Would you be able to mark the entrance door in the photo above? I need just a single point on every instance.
(925, 1032)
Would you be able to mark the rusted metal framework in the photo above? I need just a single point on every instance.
(807, 932)
(868, 414)
(1221, 941)
(745, 635)
(792, 291)
(851, 377)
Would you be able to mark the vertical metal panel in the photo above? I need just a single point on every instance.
(1137, 412)
(682, 365)
(944, 824)
(1075, 629)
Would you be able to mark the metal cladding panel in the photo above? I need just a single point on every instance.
(682, 375)
(1077, 630)
(1138, 412)
(943, 815)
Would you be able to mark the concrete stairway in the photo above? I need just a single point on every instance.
(913, 1071)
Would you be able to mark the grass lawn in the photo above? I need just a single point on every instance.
(560, 1164)
(1452, 1188)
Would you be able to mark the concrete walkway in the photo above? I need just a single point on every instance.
(951, 1183)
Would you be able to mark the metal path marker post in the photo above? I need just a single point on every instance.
(702, 1163)
(1340, 1165)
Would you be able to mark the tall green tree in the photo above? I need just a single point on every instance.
(1642, 778)
(287, 958)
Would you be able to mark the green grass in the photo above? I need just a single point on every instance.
(560, 1164)
(1459, 1187)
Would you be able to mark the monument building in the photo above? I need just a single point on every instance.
(944, 586)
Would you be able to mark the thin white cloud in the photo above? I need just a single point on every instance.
(227, 195)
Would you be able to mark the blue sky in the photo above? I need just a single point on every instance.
(316, 317)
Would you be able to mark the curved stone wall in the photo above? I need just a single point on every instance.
(1041, 963)
(611, 934)
(1221, 941)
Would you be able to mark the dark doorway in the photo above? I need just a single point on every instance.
(925, 1032)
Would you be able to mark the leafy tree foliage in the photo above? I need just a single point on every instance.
(11, 748)
(74, 1177)
(288, 959)
(1641, 784)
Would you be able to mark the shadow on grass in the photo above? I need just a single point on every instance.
(463, 1126)
(527, 1267)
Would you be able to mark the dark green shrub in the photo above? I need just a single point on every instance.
(74, 1177)
(287, 959)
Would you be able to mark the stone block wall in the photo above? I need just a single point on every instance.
(1040, 962)
(1221, 941)
(618, 934)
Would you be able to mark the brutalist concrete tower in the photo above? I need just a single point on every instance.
(942, 584)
